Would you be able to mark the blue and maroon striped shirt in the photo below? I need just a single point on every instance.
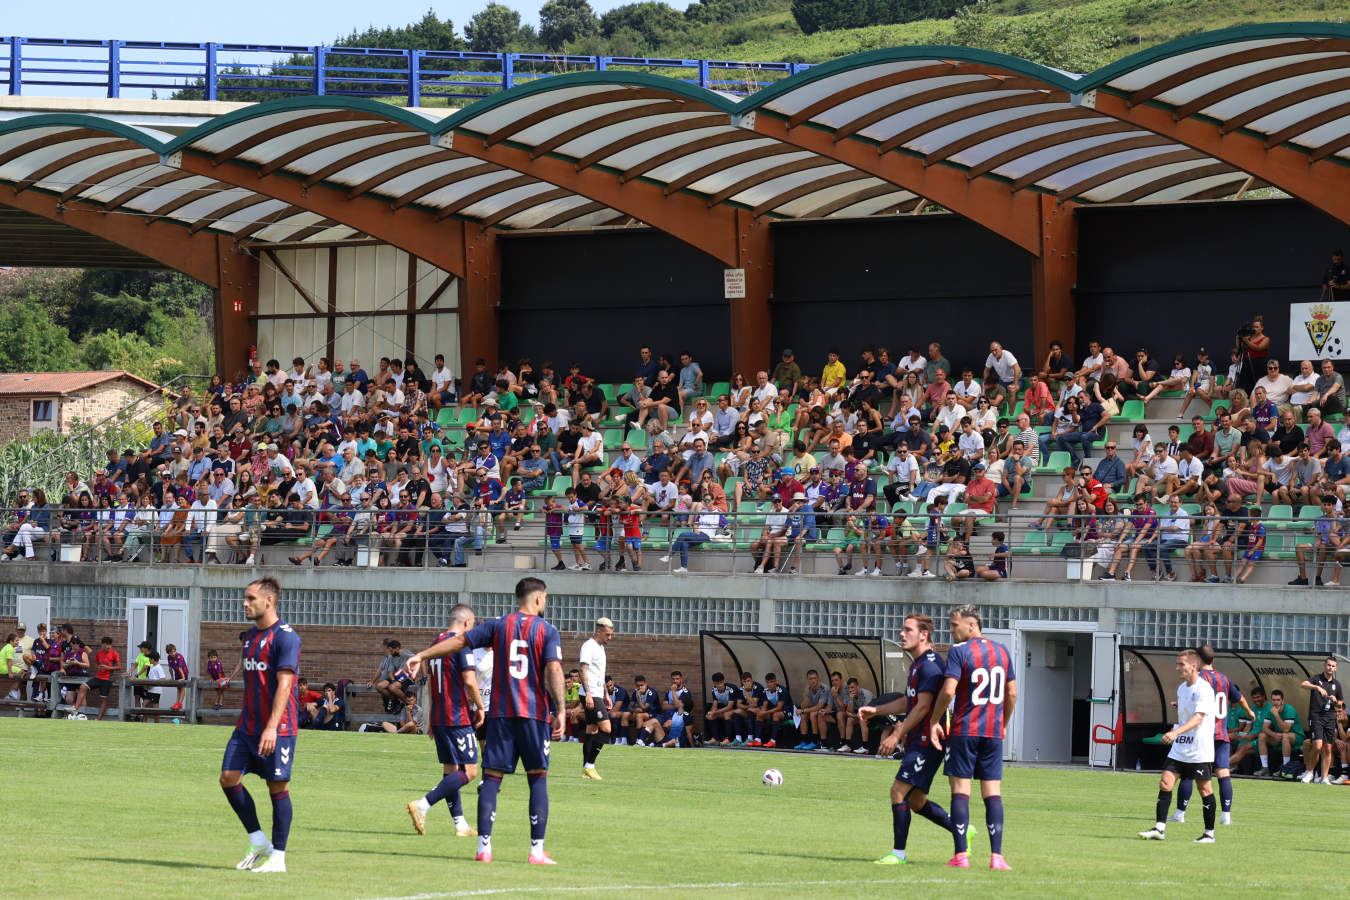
(925, 677)
(982, 669)
(521, 645)
(1225, 695)
(449, 700)
(266, 653)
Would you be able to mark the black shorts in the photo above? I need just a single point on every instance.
(597, 713)
(103, 685)
(1194, 771)
(1321, 728)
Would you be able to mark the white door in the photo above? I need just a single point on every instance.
(33, 610)
(1012, 741)
(161, 622)
(1104, 703)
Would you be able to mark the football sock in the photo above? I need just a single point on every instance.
(1210, 805)
(936, 814)
(538, 808)
(993, 818)
(1164, 804)
(716, 729)
(488, 789)
(448, 787)
(900, 826)
(1265, 761)
(1184, 788)
(242, 804)
(1226, 793)
(960, 820)
(281, 819)
(738, 726)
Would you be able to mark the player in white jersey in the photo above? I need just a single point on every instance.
(1192, 742)
(594, 697)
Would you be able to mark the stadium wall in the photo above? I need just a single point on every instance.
(345, 613)
(1176, 277)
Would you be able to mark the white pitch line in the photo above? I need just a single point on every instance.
(732, 885)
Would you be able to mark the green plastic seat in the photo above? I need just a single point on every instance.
(718, 387)
(445, 416)
(465, 416)
(1132, 411)
(1278, 512)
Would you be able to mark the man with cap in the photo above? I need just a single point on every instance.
(981, 495)
(18, 667)
(594, 698)
(787, 374)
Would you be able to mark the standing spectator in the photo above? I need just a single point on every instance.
(1001, 366)
(691, 377)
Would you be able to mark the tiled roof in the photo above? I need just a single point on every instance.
(18, 384)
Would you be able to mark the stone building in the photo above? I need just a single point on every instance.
(55, 401)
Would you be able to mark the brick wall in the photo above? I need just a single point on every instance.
(14, 425)
(97, 403)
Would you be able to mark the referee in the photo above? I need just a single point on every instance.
(595, 698)
(1326, 697)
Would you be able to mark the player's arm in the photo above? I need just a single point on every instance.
(923, 702)
(1246, 707)
(452, 644)
(939, 713)
(1170, 737)
(553, 683)
(470, 678)
(890, 739)
(285, 690)
(587, 700)
(894, 708)
(1009, 701)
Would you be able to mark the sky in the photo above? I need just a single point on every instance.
(244, 21)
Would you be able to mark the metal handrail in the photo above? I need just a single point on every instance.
(83, 445)
(218, 71)
(737, 531)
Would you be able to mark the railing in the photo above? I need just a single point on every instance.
(216, 71)
(1041, 547)
(84, 451)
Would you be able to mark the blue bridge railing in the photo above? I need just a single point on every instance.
(215, 71)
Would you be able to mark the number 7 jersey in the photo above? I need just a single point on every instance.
(982, 669)
(521, 645)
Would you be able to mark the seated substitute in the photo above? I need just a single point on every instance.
(726, 724)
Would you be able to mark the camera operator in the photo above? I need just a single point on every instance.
(1336, 278)
(1254, 343)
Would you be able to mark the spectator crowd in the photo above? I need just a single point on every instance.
(889, 464)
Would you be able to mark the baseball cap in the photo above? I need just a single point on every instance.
(180, 433)
(799, 496)
(978, 465)
(177, 449)
(21, 627)
(813, 470)
(788, 352)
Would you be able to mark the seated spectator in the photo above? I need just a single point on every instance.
(1173, 533)
(815, 713)
(387, 681)
(999, 563)
(705, 528)
(330, 711)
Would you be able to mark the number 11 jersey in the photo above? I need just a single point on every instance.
(982, 669)
(521, 644)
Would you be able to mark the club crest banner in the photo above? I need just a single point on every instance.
(1319, 330)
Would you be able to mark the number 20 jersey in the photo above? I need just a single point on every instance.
(521, 645)
(982, 669)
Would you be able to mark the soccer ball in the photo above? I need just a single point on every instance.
(772, 777)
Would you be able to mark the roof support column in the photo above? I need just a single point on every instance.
(751, 318)
(480, 291)
(1053, 276)
(236, 296)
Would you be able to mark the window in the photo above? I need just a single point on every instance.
(42, 410)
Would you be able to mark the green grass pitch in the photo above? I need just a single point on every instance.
(135, 811)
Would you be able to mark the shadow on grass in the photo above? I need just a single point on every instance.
(346, 851)
(405, 832)
(162, 863)
(778, 854)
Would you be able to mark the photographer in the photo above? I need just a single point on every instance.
(1254, 343)
(1336, 278)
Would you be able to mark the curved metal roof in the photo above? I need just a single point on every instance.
(1016, 123)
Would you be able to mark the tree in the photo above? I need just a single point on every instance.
(31, 342)
(830, 15)
(656, 23)
(564, 21)
(1063, 38)
(493, 29)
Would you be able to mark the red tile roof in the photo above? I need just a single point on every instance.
(22, 384)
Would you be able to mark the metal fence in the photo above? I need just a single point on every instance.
(956, 545)
(220, 71)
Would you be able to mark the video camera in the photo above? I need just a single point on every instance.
(1246, 330)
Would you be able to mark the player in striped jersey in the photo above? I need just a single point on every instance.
(264, 737)
(1225, 694)
(909, 791)
(980, 688)
(527, 694)
(457, 709)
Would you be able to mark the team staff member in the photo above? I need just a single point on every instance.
(1325, 698)
(264, 737)
(1192, 742)
(595, 699)
(909, 791)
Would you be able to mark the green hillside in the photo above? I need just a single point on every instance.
(1075, 34)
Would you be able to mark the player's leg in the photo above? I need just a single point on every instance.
(1223, 773)
(1206, 787)
(989, 769)
(534, 750)
(1166, 782)
(238, 759)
